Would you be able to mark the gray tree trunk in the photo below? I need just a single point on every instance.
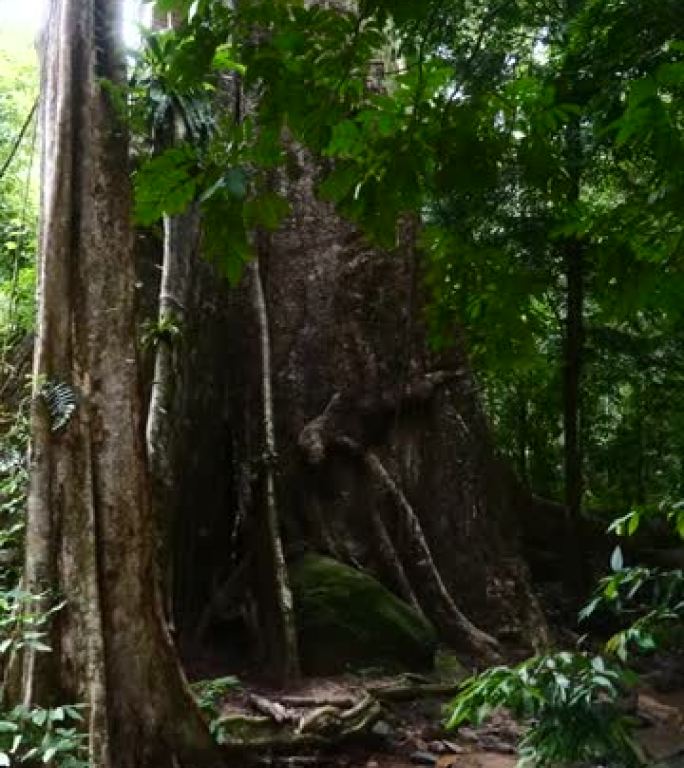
(90, 532)
(282, 651)
(180, 244)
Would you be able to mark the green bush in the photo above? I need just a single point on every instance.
(571, 701)
(28, 735)
(650, 600)
(35, 735)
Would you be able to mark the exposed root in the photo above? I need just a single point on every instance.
(318, 701)
(392, 561)
(290, 722)
(424, 588)
(273, 709)
(283, 729)
(434, 596)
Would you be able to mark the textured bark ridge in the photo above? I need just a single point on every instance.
(90, 532)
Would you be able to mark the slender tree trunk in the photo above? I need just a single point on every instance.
(280, 629)
(181, 235)
(180, 239)
(572, 375)
(572, 399)
(90, 532)
(573, 358)
(640, 496)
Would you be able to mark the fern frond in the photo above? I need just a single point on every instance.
(61, 401)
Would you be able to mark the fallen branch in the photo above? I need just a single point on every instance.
(324, 725)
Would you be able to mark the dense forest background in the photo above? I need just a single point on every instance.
(356, 327)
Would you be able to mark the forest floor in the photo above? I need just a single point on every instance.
(409, 732)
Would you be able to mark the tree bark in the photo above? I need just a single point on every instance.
(90, 531)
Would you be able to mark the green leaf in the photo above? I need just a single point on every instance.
(346, 141)
(39, 717)
(266, 211)
(225, 60)
(166, 184)
(617, 560)
(641, 90)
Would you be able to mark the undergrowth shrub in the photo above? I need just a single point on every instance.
(570, 701)
(29, 735)
(574, 702)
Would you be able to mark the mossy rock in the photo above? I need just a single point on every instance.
(347, 621)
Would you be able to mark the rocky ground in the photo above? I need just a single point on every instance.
(352, 722)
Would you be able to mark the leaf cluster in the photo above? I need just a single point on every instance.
(35, 735)
(571, 701)
(651, 600)
(210, 695)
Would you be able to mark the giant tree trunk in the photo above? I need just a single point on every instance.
(90, 532)
(384, 456)
(369, 422)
